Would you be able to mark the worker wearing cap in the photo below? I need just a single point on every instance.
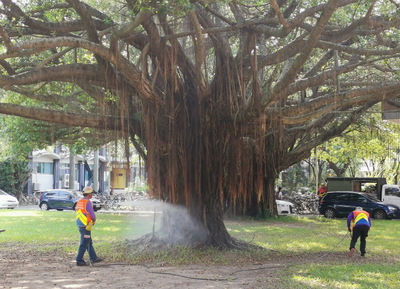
(358, 222)
(85, 218)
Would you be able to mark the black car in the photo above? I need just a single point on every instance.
(342, 203)
(61, 199)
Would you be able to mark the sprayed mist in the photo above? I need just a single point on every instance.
(171, 224)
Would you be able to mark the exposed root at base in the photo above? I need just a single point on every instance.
(155, 242)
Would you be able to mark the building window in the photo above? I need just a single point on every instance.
(43, 168)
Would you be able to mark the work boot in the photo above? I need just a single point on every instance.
(98, 260)
(351, 252)
(81, 263)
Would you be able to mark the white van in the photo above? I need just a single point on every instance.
(391, 194)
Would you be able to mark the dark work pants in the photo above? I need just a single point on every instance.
(86, 244)
(362, 233)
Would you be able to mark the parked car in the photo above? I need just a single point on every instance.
(7, 201)
(62, 199)
(342, 203)
(285, 207)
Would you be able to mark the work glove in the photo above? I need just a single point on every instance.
(90, 225)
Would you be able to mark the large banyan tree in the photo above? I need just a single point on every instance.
(223, 95)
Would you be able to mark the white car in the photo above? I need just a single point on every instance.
(284, 207)
(7, 201)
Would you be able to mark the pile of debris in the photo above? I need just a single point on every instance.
(306, 203)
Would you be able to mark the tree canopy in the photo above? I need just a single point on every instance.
(371, 143)
(222, 94)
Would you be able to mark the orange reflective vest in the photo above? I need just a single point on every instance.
(322, 191)
(360, 218)
(82, 215)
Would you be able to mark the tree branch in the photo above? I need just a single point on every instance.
(306, 51)
(60, 117)
(324, 105)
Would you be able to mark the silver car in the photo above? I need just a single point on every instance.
(7, 201)
(285, 208)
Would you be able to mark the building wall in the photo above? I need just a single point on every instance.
(52, 170)
(42, 172)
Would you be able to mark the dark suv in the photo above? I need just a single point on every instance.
(60, 199)
(342, 203)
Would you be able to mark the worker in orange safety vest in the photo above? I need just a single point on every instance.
(85, 219)
(359, 223)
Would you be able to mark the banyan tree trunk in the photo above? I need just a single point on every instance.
(270, 196)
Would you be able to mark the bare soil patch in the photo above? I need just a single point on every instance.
(21, 270)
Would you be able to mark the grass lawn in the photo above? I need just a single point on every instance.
(311, 250)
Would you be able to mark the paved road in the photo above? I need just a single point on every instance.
(146, 210)
(28, 207)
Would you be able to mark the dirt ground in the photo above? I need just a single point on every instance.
(58, 273)
(21, 272)
(43, 272)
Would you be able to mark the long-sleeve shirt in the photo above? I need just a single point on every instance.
(359, 218)
(90, 210)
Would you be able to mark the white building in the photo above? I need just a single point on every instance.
(51, 169)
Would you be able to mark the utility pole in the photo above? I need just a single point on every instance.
(71, 184)
(96, 170)
(316, 169)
